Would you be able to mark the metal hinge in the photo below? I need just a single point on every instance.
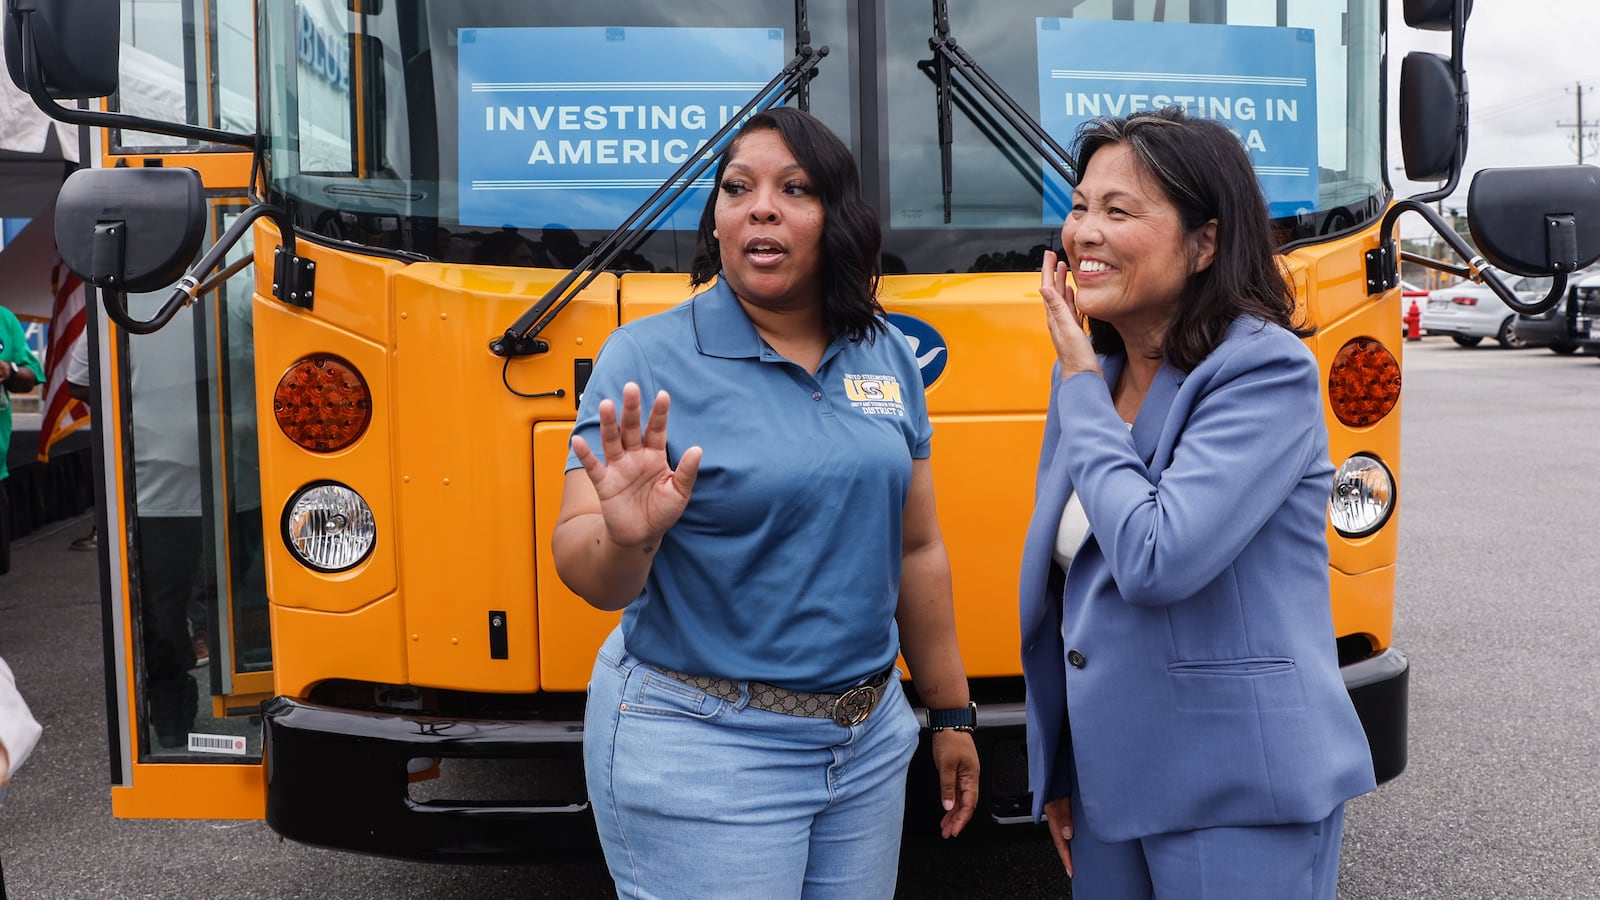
(1383, 271)
(294, 278)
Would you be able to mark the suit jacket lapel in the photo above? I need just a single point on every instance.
(1152, 419)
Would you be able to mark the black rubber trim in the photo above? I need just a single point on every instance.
(1380, 689)
(337, 778)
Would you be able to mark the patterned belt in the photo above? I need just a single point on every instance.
(849, 708)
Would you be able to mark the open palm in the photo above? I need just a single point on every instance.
(1073, 349)
(641, 495)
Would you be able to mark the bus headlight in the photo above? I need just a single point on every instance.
(1362, 497)
(328, 527)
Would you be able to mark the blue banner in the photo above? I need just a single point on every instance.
(10, 228)
(38, 335)
(1260, 82)
(576, 127)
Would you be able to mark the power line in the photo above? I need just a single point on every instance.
(1543, 95)
(1527, 104)
(1582, 130)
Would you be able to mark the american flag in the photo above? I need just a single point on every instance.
(62, 413)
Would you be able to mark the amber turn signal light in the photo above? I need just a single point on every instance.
(1364, 383)
(322, 404)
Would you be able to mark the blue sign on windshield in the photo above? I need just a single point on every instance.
(1260, 82)
(578, 126)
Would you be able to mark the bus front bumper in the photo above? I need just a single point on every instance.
(1379, 688)
(340, 778)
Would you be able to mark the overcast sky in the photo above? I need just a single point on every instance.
(1525, 60)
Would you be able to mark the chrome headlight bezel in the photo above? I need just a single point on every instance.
(1362, 498)
(343, 517)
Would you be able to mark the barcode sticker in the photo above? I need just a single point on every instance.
(216, 743)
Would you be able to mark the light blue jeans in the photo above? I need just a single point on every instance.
(698, 797)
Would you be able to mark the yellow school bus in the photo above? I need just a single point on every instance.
(333, 454)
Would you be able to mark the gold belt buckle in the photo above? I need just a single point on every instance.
(854, 705)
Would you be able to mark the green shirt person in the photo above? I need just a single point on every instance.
(20, 372)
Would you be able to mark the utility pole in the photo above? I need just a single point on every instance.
(1581, 130)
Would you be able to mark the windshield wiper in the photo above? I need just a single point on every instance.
(994, 131)
(522, 338)
(950, 59)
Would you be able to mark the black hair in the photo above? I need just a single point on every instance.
(1204, 171)
(851, 238)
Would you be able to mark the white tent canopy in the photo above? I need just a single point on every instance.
(35, 153)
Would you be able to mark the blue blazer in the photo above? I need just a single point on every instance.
(1185, 675)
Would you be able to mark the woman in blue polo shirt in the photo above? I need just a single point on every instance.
(746, 734)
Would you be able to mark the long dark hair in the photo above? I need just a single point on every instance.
(851, 238)
(1204, 171)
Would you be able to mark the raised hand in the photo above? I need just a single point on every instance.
(641, 495)
(1072, 345)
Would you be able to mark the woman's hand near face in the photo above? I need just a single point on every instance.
(640, 494)
(1073, 349)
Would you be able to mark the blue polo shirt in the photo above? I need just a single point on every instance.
(785, 568)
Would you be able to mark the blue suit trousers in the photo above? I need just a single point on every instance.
(1260, 862)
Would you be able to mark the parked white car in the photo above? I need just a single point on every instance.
(1469, 312)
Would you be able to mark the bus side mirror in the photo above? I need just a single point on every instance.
(1432, 15)
(130, 230)
(1536, 220)
(74, 45)
(1430, 117)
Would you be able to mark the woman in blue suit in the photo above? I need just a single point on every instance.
(1189, 734)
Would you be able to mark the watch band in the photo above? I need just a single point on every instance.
(962, 718)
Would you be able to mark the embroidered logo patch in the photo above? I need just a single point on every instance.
(875, 395)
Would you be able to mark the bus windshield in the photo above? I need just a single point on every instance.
(521, 132)
(1300, 82)
(518, 132)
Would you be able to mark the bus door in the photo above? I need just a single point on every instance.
(188, 636)
(192, 640)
